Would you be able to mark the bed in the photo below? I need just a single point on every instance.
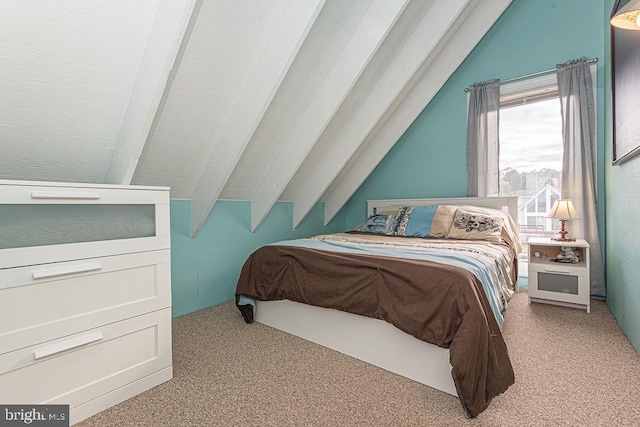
(429, 309)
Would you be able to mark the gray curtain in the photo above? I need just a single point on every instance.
(483, 145)
(579, 159)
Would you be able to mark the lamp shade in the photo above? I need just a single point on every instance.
(563, 209)
(628, 17)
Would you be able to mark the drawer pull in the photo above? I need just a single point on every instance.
(552, 270)
(77, 195)
(63, 271)
(67, 345)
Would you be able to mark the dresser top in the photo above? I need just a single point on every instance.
(78, 185)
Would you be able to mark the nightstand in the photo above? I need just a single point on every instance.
(555, 282)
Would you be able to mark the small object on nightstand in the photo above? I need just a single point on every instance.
(567, 255)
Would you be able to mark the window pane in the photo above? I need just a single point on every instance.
(531, 161)
(531, 140)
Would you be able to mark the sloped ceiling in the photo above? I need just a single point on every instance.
(279, 100)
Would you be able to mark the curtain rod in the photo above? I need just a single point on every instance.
(539, 73)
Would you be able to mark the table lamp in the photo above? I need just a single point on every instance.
(563, 210)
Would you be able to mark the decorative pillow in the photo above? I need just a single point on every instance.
(509, 232)
(475, 226)
(442, 220)
(378, 223)
(414, 221)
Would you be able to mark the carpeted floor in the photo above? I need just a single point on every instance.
(572, 369)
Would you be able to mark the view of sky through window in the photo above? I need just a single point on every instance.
(531, 136)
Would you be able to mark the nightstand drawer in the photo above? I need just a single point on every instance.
(551, 267)
(570, 288)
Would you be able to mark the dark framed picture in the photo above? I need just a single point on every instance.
(625, 85)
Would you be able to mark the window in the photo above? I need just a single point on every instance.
(528, 162)
(531, 150)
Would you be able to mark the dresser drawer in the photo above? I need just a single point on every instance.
(43, 302)
(56, 222)
(41, 192)
(77, 368)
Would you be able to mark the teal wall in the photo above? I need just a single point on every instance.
(204, 270)
(623, 228)
(429, 160)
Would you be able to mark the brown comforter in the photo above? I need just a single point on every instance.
(439, 304)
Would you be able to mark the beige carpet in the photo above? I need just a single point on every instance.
(572, 369)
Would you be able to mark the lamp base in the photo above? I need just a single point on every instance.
(563, 234)
(562, 239)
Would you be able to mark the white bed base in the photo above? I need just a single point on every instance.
(371, 340)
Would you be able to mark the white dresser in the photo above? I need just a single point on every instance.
(85, 293)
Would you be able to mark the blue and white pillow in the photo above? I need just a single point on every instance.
(415, 221)
(411, 221)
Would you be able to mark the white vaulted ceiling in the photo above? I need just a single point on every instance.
(294, 100)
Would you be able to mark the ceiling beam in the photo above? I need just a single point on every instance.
(412, 54)
(168, 29)
(362, 45)
(282, 48)
(461, 38)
